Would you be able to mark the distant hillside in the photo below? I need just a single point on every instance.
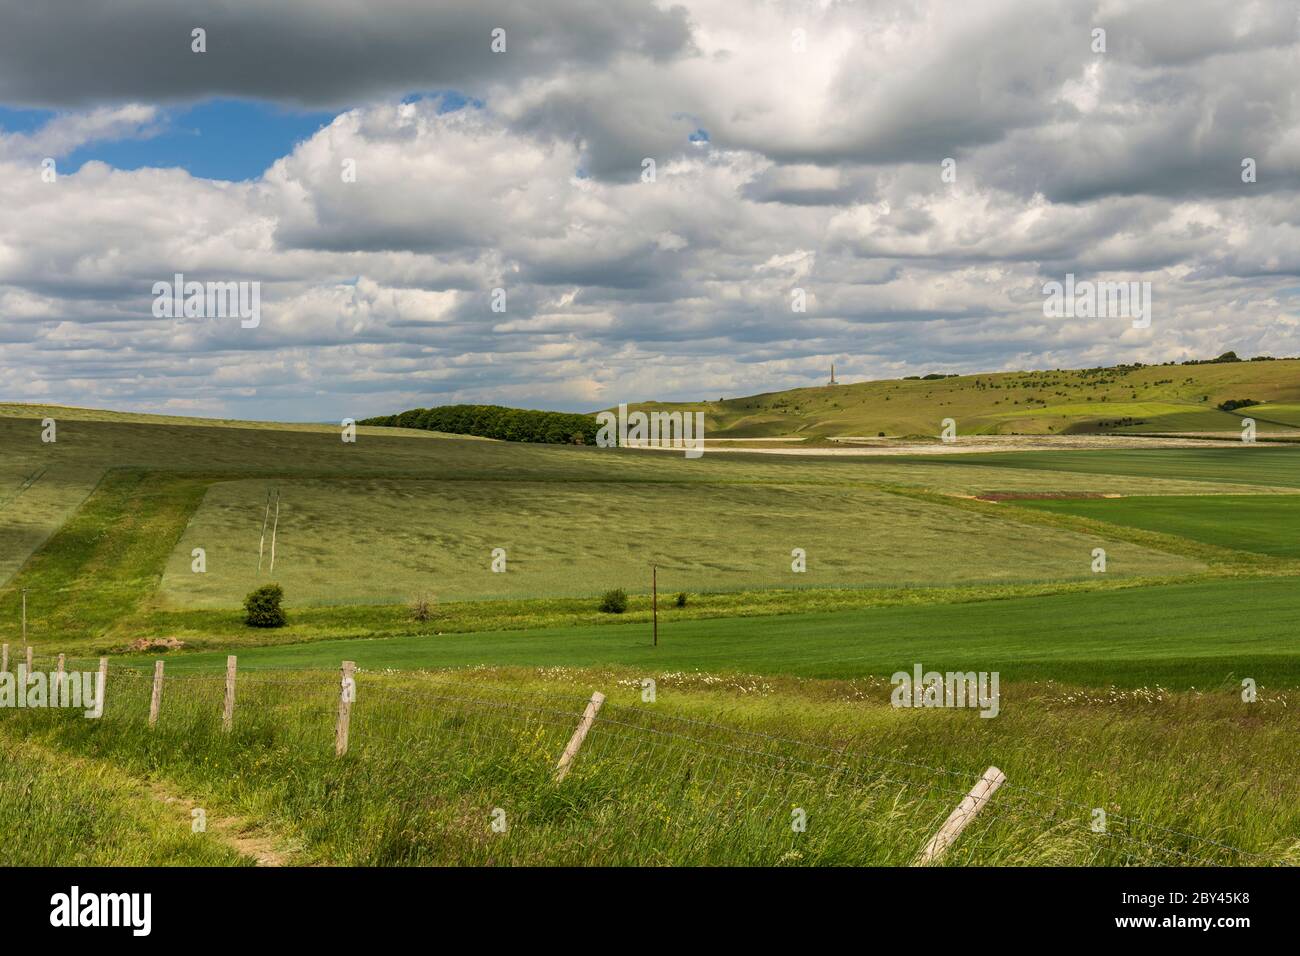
(1124, 399)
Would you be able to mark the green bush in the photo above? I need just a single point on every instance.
(614, 602)
(681, 599)
(262, 607)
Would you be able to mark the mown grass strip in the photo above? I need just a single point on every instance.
(106, 560)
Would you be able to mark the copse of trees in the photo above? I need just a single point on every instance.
(1233, 404)
(497, 421)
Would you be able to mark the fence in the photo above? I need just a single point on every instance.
(637, 784)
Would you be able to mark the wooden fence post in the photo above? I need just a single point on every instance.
(964, 814)
(58, 681)
(579, 735)
(4, 657)
(347, 694)
(101, 684)
(156, 700)
(228, 713)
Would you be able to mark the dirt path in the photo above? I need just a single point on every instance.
(235, 832)
(850, 446)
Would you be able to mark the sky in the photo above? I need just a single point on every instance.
(578, 203)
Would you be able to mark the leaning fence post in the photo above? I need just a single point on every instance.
(58, 678)
(101, 683)
(228, 713)
(964, 814)
(156, 700)
(347, 694)
(579, 735)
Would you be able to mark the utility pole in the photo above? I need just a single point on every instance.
(24, 617)
(654, 590)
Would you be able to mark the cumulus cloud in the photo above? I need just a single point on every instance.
(794, 146)
(65, 133)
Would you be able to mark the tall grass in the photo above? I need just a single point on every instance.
(436, 760)
(60, 810)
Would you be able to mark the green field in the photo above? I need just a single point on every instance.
(1259, 523)
(1121, 688)
(1249, 465)
(565, 540)
(1189, 635)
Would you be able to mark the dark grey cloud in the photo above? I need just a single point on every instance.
(319, 53)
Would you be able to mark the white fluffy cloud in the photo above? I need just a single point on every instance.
(783, 160)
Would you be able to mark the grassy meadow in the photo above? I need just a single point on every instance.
(1122, 688)
(1154, 399)
(711, 772)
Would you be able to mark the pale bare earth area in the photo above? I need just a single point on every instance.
(855, 446)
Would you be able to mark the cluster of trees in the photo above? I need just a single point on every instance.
(1229, 357)
(1233, 404)
(1225, 357)
(497, 421)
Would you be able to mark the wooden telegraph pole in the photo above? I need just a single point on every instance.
(24, 617)
(654, 590)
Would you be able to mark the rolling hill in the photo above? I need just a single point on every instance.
(1155, 399)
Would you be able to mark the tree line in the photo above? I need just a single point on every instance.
(497, 421)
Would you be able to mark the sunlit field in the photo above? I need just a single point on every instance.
(349, 542)
(1125, 597)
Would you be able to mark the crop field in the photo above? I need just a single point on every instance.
(439, 537)
(36, 499)
(1121, 683)
(1263, 524)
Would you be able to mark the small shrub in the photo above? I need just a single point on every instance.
(614, 602)
(160, 644)
(423, 607)
(681, 599)
(262, 607)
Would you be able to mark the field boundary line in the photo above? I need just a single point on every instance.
(1224, 561)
